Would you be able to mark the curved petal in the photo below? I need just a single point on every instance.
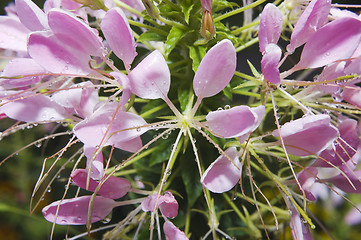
(269, 63)
(233, 122)
(343, 183)
(119, 35)
(222, 175)
(113, 187)
(74, 211)
(150, 79)
(115, 129)
(299, 135)
(21, 67)
(13, 34)
(55, 56)
(33, 108)
(312, 18)
(167, 204)
(334, 41)
(31, 15)
(81, 98)
(97, 167)
(171, 232)
(215, 70)
(270, 26)
(65, 26)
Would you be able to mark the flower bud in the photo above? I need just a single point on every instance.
(151, 9)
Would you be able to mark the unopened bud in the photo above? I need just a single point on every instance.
(151, 9)
(207, 25)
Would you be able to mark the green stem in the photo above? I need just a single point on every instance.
(247, 44)
(239, 30)
(282, 187)
(142, 25)
(239, 10)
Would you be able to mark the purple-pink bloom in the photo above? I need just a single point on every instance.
(28, 71)
(167, 204)
(74, 211)
(119, 35)
(113, 187)
(110, 125)
(335, 41)
(353, 217)
(307, 178)
(224, 173)
(299, 230)
(171, 232)
(31, 15)
(343, 182)
(269, 63)
(94, 163)
(215, 70)
(352, 94)
(313, 17)
(308, 135)
(150, 79)
(235, 122)
(270, 26)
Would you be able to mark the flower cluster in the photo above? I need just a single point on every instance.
(138, 87)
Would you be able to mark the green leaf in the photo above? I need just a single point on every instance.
(253, 69)
(150, 36)
(173, 38)
(196, 53)
(187, 6)
(222, 30)
(191, 179)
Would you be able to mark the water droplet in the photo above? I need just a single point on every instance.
(219, 109)
(227, 107)
(38, 144)
(49, 189)
(138, 129)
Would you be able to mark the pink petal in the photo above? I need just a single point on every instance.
(335, 41)
(352, 95)
(299, 135)
(330, 72)
(119, 35)
(313, 17)
(341, 182)
(299, 229)
(172, 232)
(270, 26)
(81, 98)
(13, 34)
(233, 122)
(348, 143)
(136, 4)
(97, 167)
(31, 15)
(150, 79)
(222, 175)
(33, 108)
(65, 26)
(167, 204)
(57, 57)
(353, 217)
(215, 70)
(21, 67)
(307, 178)
(92, 130)
(113, 187)
(269, 63)
(74, 211)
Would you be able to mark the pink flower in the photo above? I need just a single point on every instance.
(113, 187)
(74, 211)
(172, 232)
(167, 204)
(224, 173)
(308, 135)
